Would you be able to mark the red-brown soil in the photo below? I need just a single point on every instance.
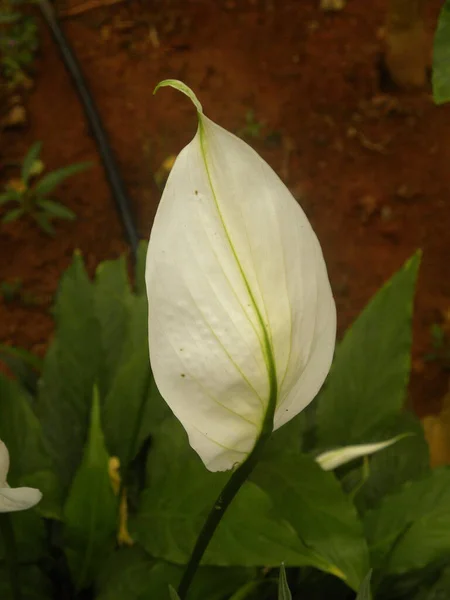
(370, 167)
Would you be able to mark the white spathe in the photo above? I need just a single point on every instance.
(340, 456)
(239, 299)
(14, 499)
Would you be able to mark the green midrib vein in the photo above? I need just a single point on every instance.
(267, 349)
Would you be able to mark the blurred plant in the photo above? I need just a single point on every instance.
(441, 57)
(34, 198)
(18, 42)
(252, 127)
(440, 345)
(10, 290)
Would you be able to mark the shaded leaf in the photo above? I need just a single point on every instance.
(29, 160)
(49, 182)
(365, 592)
(13, 215)
(70, 371)
(367, 383)
(134, 575)
(180, 493)
(30, 463)
(312, 501)
(139, 278)
(441, 57)
(411, 528)
(91, 509)
(33, 584)
(56, 209)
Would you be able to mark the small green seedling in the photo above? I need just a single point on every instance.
(252, 127)
(18, 42)
(33, 194)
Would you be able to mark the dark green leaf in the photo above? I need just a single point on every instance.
(9, 196)
(13, 215)
(23, 365)
(112, 296)
(284, 592)
(49, 182)
(56, 209)
(91, 509)
(33, 584)
(29, 160)
(43, 222)
(132, 575)
(441, 57)
(139, 278)
(173, 593)
(22, 434)
(313, 503)
(181, 492)
(404, 461)
(70, 371)
(411, 528)
(365, 592)
(367, 383)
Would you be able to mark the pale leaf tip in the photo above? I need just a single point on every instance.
(183, 88)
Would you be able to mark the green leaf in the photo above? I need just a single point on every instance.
(56, 209)
(30, 537)
(24, 365)
(441, 57)
(440, 590)
(180, 493)
(70, 372)
(30, 464)
(9, 196)
(284, 592)
(411, 528)
(13, 215)
(33, 584)
(173, 593)
(365, 592)
(367, 383)
(43, 222)
(49, 182)
(132, 574)
(91, 509)
(139, 279)
(405, 461)
(313, 503)
(29, 160)
(113, 299)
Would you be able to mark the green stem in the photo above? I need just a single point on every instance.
(12, 562)
(232, 487)
(221, 505)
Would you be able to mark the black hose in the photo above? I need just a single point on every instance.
(122, 200)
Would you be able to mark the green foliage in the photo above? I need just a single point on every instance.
(18, 42)
(132, 574)
(411, 528)
(21, 432)
(441, 57)
(34, 196)
(367, 383)
(313, 503)
(328, 528)
(91, 508)
(252, 127)
(178, 496)
(34, 584)
(364, 592)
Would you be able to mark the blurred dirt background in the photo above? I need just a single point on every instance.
(370, 165)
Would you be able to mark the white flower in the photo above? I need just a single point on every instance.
(242, 320)
(340, 456)
(13, 499)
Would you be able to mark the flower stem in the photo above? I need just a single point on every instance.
(12, 563)
(231, 488)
